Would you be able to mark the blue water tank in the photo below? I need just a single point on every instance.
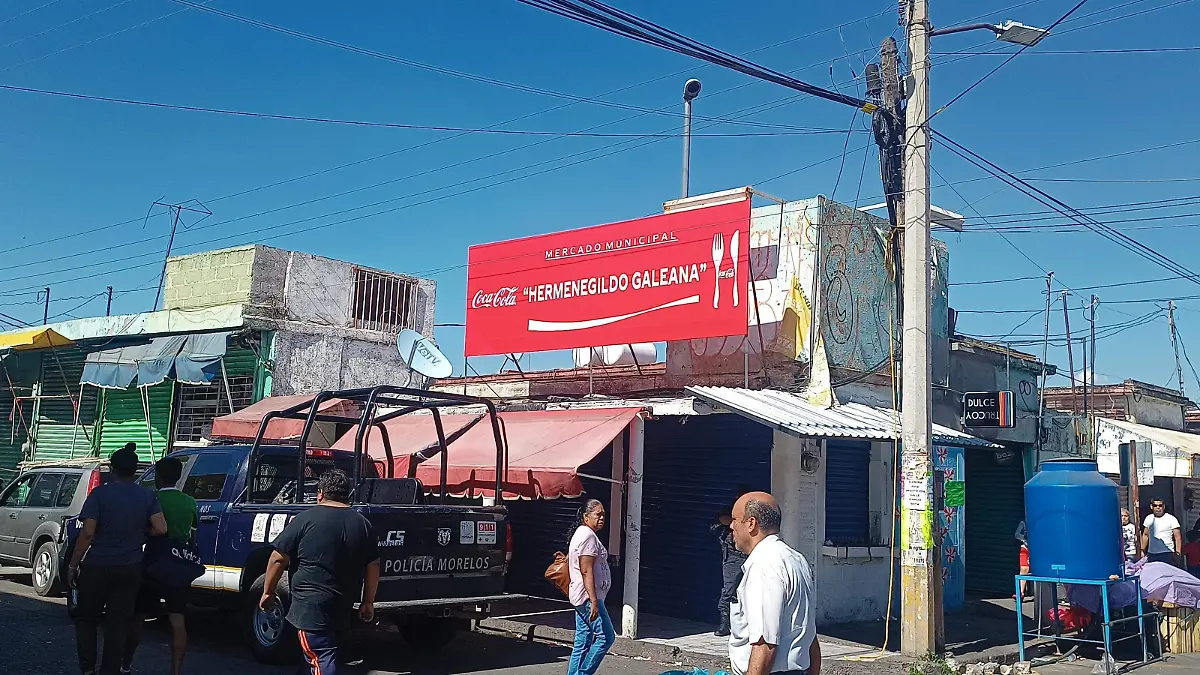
(1073, 521)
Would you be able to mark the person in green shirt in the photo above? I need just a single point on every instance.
(182, 516)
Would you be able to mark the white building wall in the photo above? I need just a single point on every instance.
(1155, 412)
(851, 583)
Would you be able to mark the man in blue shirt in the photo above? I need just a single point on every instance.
(106, 565)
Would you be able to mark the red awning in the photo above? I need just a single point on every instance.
(545, 449)
(246, 422)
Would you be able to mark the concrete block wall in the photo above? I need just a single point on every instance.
(209, 279)
(307, 362)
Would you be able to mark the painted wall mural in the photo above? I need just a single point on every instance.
(821, 290)
(951, 525)
(858, 297)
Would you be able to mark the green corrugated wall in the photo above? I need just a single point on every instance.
(124, 420)
(58, 436)
(240, 361)
(19, 370)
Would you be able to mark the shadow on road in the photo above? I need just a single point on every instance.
(37, 636)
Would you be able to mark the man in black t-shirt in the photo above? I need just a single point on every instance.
(333, 557)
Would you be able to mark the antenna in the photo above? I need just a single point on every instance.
(422, 355)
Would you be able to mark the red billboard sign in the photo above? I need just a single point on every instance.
(674, 276)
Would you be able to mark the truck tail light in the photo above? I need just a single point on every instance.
(508, 543)
(93, 480)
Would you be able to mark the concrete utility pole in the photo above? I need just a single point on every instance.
(921, 630)
(1174, 341)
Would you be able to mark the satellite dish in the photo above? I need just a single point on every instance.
(422, 355)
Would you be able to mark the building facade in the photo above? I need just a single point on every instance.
(237, 325)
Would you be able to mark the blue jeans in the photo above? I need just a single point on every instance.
(592, 640)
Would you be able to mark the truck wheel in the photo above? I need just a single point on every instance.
(427, 633)
(272, 639)
(45, 570)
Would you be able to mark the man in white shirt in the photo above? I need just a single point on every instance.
(1161, 538)
(773, 630)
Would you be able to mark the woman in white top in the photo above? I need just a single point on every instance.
(590, 581)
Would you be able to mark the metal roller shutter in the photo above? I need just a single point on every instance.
(58, 436)
(543, 526)
(124, 420)
(996, 505)
(693, 468)
(847, 493)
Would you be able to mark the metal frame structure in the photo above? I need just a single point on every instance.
(405, 401)
(1105, 586)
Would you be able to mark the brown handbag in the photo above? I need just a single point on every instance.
(559, 573)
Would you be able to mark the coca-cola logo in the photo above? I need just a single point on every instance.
(504, 297)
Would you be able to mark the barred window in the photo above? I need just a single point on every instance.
(199, 405)
(383, 302)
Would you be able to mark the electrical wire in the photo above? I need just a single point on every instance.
(64, 25)
(618, 147)
(431, 67)
(29, 11)
(396, 125)
(441, 140)
(1100, 228)
(619, 22)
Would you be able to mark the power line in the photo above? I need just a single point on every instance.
(445, 139)
(541, 166)
(441, 140)
(29, 11)
(1100, 228)
(393, 125)
(120, 246)
(427, 66)
(64, 25)
(619, 22)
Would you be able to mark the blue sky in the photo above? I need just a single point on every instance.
(72, 165)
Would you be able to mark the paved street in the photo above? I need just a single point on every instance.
(36, 637)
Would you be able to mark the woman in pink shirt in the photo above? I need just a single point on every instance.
(590, 581)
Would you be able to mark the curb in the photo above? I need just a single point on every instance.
(634, 649)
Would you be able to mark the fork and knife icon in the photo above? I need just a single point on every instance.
(718, 252)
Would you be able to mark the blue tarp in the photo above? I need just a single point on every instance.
(190, 359)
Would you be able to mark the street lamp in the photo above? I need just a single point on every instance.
(1009, 31)
(691, 89)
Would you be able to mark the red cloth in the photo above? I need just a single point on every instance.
(545, 449)
(1191, 551)
(1024, 556)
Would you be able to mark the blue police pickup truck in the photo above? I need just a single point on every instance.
(442, 564)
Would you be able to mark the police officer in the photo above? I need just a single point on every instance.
(731, 563)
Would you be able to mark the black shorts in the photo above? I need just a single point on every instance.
(152, 593)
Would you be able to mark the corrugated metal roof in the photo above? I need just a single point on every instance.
(792, 414)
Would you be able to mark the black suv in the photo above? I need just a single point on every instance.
(32, 511)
